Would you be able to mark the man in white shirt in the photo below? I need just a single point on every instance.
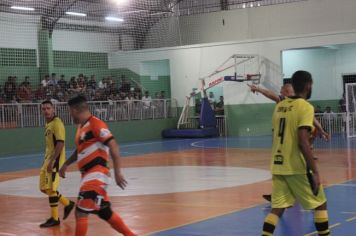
(146, 100)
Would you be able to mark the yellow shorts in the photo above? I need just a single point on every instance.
(49, 181)
(288, 188)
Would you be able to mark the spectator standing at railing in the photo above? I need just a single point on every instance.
(45, 81)
(14, 81)
(318, 110)
(26, 82)
(10, 89)
(125, 85)
(329, 113)
(72, 82)
(81, 86)
(92, 83)
(329, 116)
(62, 83)
(146, 100)
(91, 87)
(40, 93)
(212, 100)
(157, 95)
(163, 95)
(114, 89)
(342, 104)
(219, 107)
(102, 84)
(24, 94)
(109, 81)
(53, 80)
(2, 94)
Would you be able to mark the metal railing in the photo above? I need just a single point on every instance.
(193, 123)
(333, 123)
(21, 115)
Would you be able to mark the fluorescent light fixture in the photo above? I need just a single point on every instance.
(23, 8)
(120, 1)
(115, 19)
(251, 4)
(244, 5)
(159, 13)
(75, 13)
(133, 11)
(258, 4)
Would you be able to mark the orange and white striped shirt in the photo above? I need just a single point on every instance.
(93, 154)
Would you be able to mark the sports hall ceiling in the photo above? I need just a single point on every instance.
(96, 9)
(138, 16)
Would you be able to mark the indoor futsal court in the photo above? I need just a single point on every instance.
(188, 89)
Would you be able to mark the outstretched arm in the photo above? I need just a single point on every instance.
(320, 129)
(267, 93)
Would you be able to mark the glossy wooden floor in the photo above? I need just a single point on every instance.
(147, 214)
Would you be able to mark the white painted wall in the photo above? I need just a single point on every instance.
(321, 64)
(327, 65)
(155, 68)
(164, 34)
(345, 60)
(189, 63)
(18, 31)
(266, 31)
(292, 19)
(84, 41)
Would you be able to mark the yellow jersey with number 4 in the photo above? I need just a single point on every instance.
(288, 116)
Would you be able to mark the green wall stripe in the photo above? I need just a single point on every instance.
(69, 59)
(256, 119)
(17, 57)
(31, 140)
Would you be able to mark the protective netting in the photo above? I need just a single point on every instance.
(350, 116)
(56, 49)
(69, 42)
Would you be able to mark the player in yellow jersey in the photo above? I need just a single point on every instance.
(295, 175)
(54, 159)
(288, 91)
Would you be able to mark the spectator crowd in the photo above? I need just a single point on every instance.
(61, 90)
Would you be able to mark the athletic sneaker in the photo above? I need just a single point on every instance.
(267, 197)
(68, 209)
(50, 223)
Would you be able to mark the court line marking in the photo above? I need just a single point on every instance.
(194, 144)
(231, 212)
(120, 145)
(351, 219)
(200, 220)
(348, 212)
(346, 185)
(7, 234)
(316, 232)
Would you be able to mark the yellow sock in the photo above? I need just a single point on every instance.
(321, 221)
(53, 202)
(63, 200)
(269, 225)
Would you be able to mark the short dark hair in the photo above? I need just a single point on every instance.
(79, 103)
(47, 102)
(300, 79)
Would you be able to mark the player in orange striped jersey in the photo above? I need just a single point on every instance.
(94, 143)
